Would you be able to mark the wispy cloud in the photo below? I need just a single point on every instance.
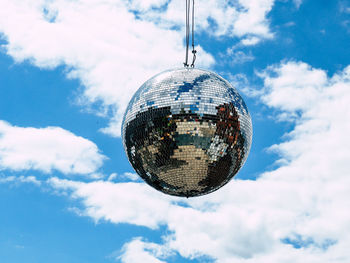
(126, 176)
(138, 250)
(20, 179)
(250, 41)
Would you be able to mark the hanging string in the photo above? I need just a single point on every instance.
(187, 31)
(194, 52)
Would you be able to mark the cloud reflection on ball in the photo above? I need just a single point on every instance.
(187, 132)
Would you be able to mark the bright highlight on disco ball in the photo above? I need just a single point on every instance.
(187, 132)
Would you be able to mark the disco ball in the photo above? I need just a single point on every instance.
(187, 132)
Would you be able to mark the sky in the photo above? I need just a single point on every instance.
(67, 191)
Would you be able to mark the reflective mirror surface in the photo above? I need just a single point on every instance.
(187, 132)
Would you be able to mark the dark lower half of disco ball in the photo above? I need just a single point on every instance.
(186, 154)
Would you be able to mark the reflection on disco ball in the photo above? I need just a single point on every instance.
(187, 132)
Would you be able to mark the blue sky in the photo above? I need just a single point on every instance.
(67, 191)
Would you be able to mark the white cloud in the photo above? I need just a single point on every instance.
(127, 175)
(131, 176)
(126, 197)
(111, 51)
(238, 56)
(20, 179)
(250, 41)
(100, 42)
(304, 202)
(29, 179)
(298, 90)
(239, 19)
(145, 5)
(47, 149)
(254, 21)
(138, 251)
